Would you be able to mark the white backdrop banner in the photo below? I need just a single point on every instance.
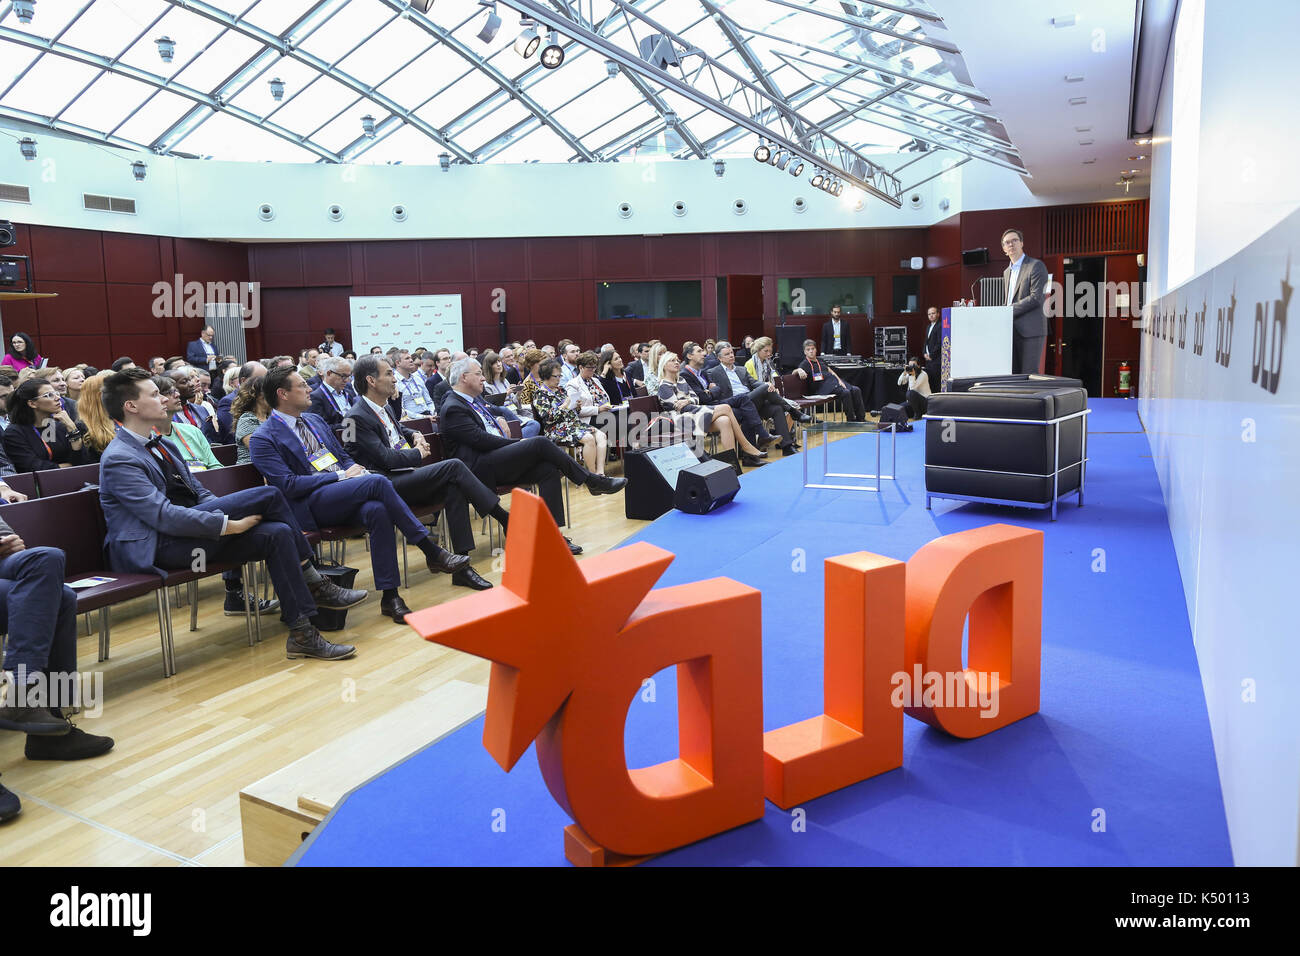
(406, 321)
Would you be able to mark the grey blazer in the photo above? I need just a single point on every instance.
(1030, 293)
(718, 376)
(132, 491)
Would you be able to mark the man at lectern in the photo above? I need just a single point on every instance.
(1025, 282)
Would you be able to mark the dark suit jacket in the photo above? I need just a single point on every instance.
(279, 456)
(200, 414)
(323, 405)
(934, 341)
(828, 337)
(26, 449)
(195, 356)
(133, 494)
(370, 445)
(615, 390)
(718, 377)
(512, 375)
(1030, 293)
(707, 394)
(635, 371)
(465, 437)
(224, 429)
(439, 393)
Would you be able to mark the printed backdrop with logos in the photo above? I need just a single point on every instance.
(406, 321)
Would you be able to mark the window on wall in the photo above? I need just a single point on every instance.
(854, 294)
(648, 300)
(907, 293)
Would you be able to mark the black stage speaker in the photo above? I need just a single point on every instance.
(706, 487)
(975, 257)
(789, 344)
(898, 415)
(648, 493)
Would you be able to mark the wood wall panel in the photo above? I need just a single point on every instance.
(446, 260)
(619, 257)
(487, 295)
(503, 259)
(554, 258)
(132, 258)
(207, 261)
(851, 252)
(556, 303)
(66, 351)
(328, 264)
(68, 255)
(277, 266)
(675, 256)
(739, 253)
(390, 264)
(943, 243)
(80, 309)
(799, 254)
(286, 310)
(131, 308)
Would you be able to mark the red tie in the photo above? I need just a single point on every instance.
(190, 415)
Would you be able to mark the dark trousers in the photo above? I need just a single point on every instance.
(452, 482)
(849, 397)
(532, 461)
(31, 585)
(932, 372)
(916, 403)
(1026, 353)
(277, 540)
(769, 405)
(372, 501)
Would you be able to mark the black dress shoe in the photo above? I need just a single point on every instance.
(469, 578)
(9, 805)
(447, 563)
(307, 642)
(76, 744)
(604, 485)
(787, 450)
(235, 605)
(751, 460)
(395, 608)
(38, 721)
(329, 595)
(573, 548)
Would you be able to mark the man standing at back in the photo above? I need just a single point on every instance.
(1025, 282)
(202, 353)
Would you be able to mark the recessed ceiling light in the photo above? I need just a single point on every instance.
(1083, 129)
(1085, 142)
(1135, 158)
(1074, 77)
(1065, 21)
(1078, 100)
(1089, 162)
(1144, 141)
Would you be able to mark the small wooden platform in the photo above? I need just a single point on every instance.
(278, 812)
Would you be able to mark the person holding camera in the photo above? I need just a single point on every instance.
(918, 388)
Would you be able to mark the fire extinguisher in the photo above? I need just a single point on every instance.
(1124, 383)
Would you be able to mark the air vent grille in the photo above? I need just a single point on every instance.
(12, 193)
(108, 203)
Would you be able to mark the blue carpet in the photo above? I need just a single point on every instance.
(1122, 737)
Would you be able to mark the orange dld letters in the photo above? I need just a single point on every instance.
(893, 645)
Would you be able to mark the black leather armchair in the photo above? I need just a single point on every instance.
(1013, 444)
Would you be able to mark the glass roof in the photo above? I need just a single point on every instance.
(652, 79)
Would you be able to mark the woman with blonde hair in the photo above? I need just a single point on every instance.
(100, 429)
(654, 356)
(676, 396)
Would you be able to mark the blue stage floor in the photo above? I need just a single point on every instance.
(1122, 735)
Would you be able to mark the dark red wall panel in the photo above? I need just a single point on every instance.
(285, 310)
(800, 254)
(132, 258)
(206, 261)
(739, 253)
(389, 263)
(851, 252)
(619, 257)
(277, 266)
(555, 303)
(70, 255)
(500, 259)
(446, 260)
(328, 263)
(131, 308)
(80, 309)
(554, 258)
(675, 256)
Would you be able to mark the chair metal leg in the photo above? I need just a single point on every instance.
(401, 544)
(165, 633)
(104, 625)
(194, 605)
(250, 595)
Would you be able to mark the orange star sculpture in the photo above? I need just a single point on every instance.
(569, 688)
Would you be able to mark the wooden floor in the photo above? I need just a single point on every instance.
(167, 794)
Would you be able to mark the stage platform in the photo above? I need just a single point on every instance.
(1117, 768)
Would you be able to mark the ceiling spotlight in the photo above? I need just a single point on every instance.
(528, 41)
(24, 10)
(784, 161)
(27, 146)
(166, 48)
(492, 24)
(368, 125)
(763, 152)
(775, 157)
(797, 168)
(611, 68)
(138, 170)
(277, 89)
(719, 167)
(552, 53)
(444, 161)
(817, 179)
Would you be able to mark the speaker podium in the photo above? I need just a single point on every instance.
(975, 340)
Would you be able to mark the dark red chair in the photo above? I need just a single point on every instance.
(226, 454)
(24, 483)
(74, 524)
(61, 481)
(792, 387)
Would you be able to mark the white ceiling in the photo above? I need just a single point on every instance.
(1019, 60)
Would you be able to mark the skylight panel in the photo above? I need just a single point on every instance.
(108, 27)
(386, 51)
(48, 22)
(224, 137)
(315, 106)
(493, 125)
(541, 144)
(351, 24)
(14, 58)
(407, 145)
(276, 16)
(345, 129)
(191, 34)
(224, 57)
(158, 113)
(50, 85)
(108, 101)
(466, 92)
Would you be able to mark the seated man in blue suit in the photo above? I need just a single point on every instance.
(334, 397)
(160, 517)
(39, 612)
(298, 453)
(191, 412)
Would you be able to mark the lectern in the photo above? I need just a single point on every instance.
(976, 340)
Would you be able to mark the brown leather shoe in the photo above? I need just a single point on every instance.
(307, 642)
